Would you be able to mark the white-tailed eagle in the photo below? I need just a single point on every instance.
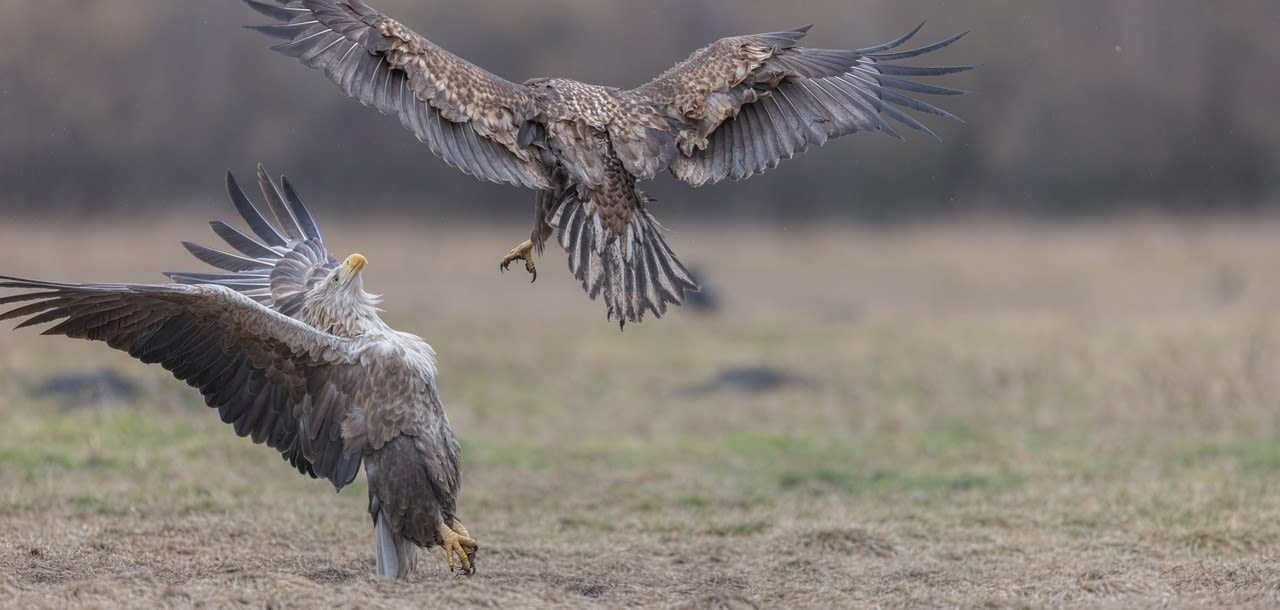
(290, 349)
(733, 109)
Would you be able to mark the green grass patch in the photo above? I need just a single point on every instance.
(98, 505)
(742, 528)
(1258, 455)
(851, 480)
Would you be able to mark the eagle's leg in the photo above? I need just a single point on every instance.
(522, 252)
(457, 544)
(543, 206)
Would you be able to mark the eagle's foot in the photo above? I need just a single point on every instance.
(522, 252)
(460, 544)
(462, 531)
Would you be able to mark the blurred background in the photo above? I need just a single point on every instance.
(1079, 107)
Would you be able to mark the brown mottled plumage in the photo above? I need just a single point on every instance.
(731, 110)
(289, 348)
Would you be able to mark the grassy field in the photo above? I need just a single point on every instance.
(987, 415)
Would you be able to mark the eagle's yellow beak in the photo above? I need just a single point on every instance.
(352, 266)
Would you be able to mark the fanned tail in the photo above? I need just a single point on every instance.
(633, 269)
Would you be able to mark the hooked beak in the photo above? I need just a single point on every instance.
(351, 267)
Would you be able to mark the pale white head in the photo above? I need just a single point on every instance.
(339, 303)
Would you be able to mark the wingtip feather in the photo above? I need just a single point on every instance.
(895, 43)
(276, 11)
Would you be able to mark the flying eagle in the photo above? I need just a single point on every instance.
(289, 348)
(731, 110)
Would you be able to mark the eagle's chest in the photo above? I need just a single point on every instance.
(398, 387)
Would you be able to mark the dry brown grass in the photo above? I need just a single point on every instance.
(1000, 416)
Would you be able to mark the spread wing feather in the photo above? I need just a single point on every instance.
(466, 115)
(279, 270)
(748, 102)
(238, 240)
(255, 365)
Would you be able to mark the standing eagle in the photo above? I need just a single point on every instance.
(289, 348)
(733, 109)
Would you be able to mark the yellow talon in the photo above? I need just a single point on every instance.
(459, 544)
(522, 252)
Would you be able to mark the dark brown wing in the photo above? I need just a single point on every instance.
(746, 103)
(270, 376)
(276, 271)
(467, 116)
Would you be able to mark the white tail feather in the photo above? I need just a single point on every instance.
(388, 564)
(395, 555)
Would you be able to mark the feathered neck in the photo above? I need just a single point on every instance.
(345, 313)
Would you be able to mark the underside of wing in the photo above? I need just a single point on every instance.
(467, 116)
(254, 365)
(277, 268)
(796, 97)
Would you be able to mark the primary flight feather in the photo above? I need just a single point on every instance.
(733, 109)
(290, 349)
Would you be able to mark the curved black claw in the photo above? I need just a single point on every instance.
(471, 557)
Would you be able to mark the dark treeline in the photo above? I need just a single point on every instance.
(1079, 106)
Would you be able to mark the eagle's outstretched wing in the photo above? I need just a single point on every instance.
(270, 376)
(276, 271)
(744, 104)
(467, 116)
